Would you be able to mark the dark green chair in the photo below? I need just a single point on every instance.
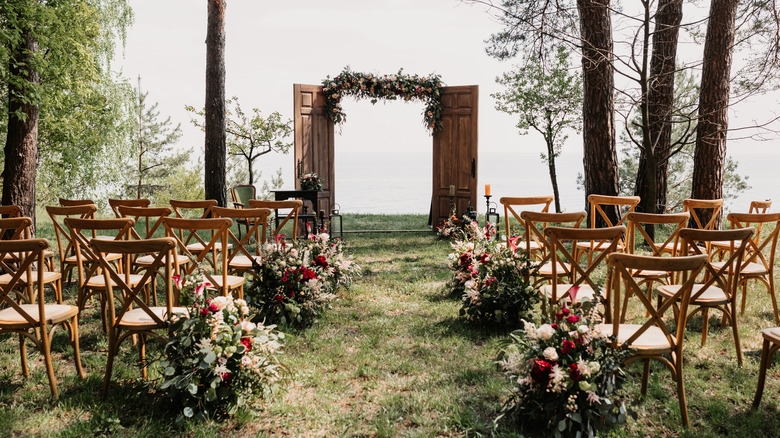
(242, 193)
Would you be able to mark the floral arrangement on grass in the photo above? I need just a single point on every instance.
(490, 278)
(564, 375)
(310, 181)
(293, 284)
(389, 87)
(216, 360)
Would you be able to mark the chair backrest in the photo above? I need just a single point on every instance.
(75, 202)
(218, 229)
(624, 205)
(82, 231)
(58, 215)
(294, 206)
(511, 205)
(10, 211)
(27, 252)
(649, 315)
(698, 206)
(193, 209)
(242, 193)
(760, 206)
(636, 223)
(725, 277)
(116, 203)
(164, 251)
(150, 216)
(14, 229)
(762, 248)
(608, 239)
(257, 218)
(535, 223)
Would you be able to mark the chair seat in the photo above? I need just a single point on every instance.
(55, 313)
(99, 282)
(646, 273)
(562, 292)
(48, 277)
(137, 318)
(712, 296)
(109, 257)
(771, 334)
(749, 269)
(599, 245)
(546, 269)
(520, 244)
(198, 247)
(242, 262)
(147, 260)
(652, 341)
(233, 281)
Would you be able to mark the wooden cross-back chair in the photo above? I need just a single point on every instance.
(10, 211)
(770, 346)
(514, 206)
(91, 279)
(218, 228)
(124, 295)
(35, 321)
(14, 211)
(193, 209)
(696, 207)
(535, 222)
(649, 335)
(116, 203)
(281, 218)
(582, 282)
(65, 246)
(760, 206)
(717, 290)
(149, 219)
(16, 229)
(622, 204)
(637, 224)
(759, 260)
(240, 257)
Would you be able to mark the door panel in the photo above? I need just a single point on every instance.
(314, 140)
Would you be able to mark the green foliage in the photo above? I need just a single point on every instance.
(388, 87)
(83, 106)
(248, 138)
(154, 158)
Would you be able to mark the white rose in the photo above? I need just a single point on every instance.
(247, 325)
(583, 329)
(550, 354)
(545, 332)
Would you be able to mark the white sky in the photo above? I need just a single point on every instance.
(271, 45)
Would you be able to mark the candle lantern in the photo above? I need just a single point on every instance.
(492, 216)
(336, 229)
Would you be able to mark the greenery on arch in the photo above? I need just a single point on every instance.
(388, 87)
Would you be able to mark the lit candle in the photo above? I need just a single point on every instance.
(452, 190)
(487, 189)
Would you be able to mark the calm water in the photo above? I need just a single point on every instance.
(387, 182)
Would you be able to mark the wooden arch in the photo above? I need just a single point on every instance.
(454, 147)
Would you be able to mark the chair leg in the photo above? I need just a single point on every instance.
(113, 347)
(23, 356)
(645, 376)
(744, 296)
(705, 325)
(678, 365)
(142, 354)
(774, 299)
(74, 340)
(737, 344)
(765, 356)
(46, 347)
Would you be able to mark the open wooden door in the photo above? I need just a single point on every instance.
(314, 140)
(455, 153)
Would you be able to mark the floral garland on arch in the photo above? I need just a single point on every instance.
(389, 87)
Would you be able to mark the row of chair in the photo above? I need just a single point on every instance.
(727, 258)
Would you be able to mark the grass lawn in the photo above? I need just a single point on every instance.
(390, 359)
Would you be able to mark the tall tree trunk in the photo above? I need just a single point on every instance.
(660, 103)
(709, 159)
(598, 116)
(216, 145)
(549, 138)
(21, 146)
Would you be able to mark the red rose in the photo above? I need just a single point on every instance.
(204, 311)
(279, 298)
(574, 372)
(572, 319)
(213, 307)
(246, 342)
(555, 326)
(565, 311)
(567, 347)
(540, 372)
(559, 316)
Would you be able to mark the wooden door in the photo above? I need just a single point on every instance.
(314, 140)
(455, 153)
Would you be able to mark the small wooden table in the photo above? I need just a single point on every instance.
(306, 195)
